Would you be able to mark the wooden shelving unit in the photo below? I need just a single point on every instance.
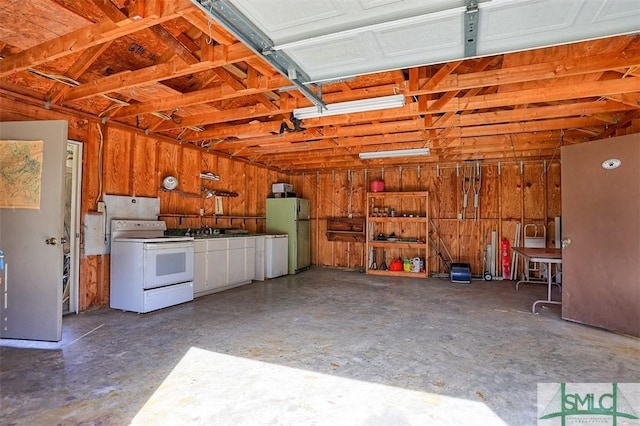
(403, 216)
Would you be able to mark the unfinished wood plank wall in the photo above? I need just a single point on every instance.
(134, 164)
(511, 192)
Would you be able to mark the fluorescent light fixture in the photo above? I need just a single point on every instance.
(362, 105)
(396, 153)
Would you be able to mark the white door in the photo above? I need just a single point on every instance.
(31, 237)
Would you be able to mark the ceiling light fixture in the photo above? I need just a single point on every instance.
(362, 105)
(396, 153)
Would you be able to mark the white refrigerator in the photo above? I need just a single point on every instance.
(291, 216)
(276, 260)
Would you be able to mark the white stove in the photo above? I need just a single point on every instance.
(149, 270)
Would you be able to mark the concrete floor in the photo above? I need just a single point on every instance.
(321, 347)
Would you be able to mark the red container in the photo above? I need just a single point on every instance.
(396, 265)
(506, 260)
(377, 186)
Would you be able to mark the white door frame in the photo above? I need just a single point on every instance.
(74, 234)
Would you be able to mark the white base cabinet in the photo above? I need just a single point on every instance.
(223, 263)
(200, 267)
(217, 264)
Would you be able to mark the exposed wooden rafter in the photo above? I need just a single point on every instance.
(164, 67)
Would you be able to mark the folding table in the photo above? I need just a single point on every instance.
(548, 256)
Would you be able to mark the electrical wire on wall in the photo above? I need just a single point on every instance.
(553, 154)
(100, 152)
(100, 180)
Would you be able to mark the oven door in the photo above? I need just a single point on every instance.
(167, 263)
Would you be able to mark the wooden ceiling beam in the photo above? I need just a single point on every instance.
(630, 99)
(336, 159)
(459, 155)
(481, 102)
(278, 146)
(110, 10)
(92, 35)
(214, 32)
(480, 66)
(239, 86)
(211, 30)
(533, 72)
(390, 133)
(155, 73)
(479, 144)
(73, 42)
(245, 113)
(539, 95)
(445, 71)
(625, 120)
(84, 61)
(285, 151)
(200, 97)
(174, 44)
(281, 149)
(529, 127)
(254, 111)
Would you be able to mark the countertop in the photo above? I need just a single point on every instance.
(208, 236)
(201, 235)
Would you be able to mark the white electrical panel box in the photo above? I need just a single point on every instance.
(94, 234)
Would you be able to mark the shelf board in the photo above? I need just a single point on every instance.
(397, 244)
(181, 193)
(398, 194)
(209, 216)
(397, 273)
(421, 219)
(346, 236)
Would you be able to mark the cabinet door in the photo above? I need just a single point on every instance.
(250, 264)
(237, 265)
(216, 269)
(200, 272)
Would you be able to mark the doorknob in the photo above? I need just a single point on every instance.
(51, 241)
(565, 242)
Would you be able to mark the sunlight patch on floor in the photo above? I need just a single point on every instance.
(211, 388)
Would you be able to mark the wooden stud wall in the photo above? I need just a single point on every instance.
(510, 193)
(134, 164)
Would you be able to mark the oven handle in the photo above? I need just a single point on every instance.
(169, 246)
